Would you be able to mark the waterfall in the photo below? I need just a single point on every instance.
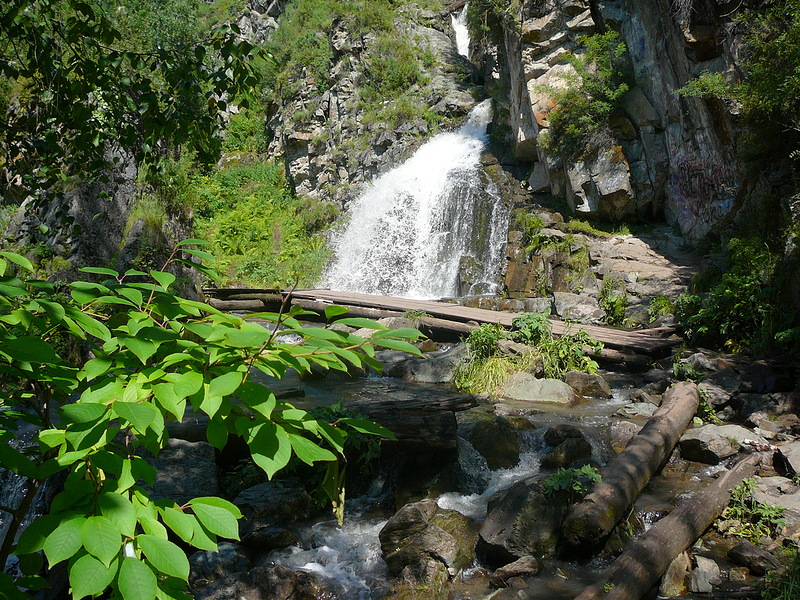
(431, 227)
(459, 22)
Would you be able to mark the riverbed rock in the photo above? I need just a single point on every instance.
(269, 511)
(522, 521)
(269, 582)
(438, 369)
(705, 575)
(527, 565)
(497, 441)
(756, 559)
(524, 386)
(709, 444)
(575, 307)
(673, 582)
(788, 458)
(208, 566)
(421, 534)
(720, 386)
(587, 384)
(568, 452)
(638, 409)
(781, 492)
(621, 432)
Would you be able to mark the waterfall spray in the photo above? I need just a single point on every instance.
(432, 227)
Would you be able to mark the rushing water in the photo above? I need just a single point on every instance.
(459, 21)
(432, 227)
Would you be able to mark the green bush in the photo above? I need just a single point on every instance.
(583, 108)
(147, 355)
(613, 300)
(743, 310)
(573, 484)
(747, 518)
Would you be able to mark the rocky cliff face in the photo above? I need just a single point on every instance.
(326, 140)
(671, 154)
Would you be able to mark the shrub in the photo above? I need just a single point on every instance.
(613, 300)
(748, 518)
(584, 107)
(151, 354)
(573, 484)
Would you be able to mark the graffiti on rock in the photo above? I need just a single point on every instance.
(700, 193)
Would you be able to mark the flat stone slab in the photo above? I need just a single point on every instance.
(524, 386)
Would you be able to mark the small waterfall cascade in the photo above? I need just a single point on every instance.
(459, 21)
(432, 227)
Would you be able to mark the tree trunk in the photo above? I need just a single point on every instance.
(639, 568)
(591, 520)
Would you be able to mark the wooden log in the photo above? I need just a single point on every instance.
(638, 569)
(590, 521)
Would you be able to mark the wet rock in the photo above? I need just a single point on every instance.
(421, 534)
(497, 441)
(705, 575)
(587, 384)
(781, 492)
(524, 386)
(527, 565)
(638, 409)
(748, 555)
(709, 444)
(719, 387)
(557, 434)
(522, 521)
(269, 511)
(207, 566)
(439, 369)
(621, 433)
(185, 470)
(269, 582)
(568, 452)
(640, 396)
(673, 583)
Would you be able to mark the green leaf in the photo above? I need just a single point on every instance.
(178, 521)
(308, 451)
(83, 412)
(217, 517)
(270, 447)
(35, 534)
(226, 384)
(28, 349)
(335, 311)
(101, 538)
(65, 540)
(95, 367)
(361, 323)
(164, 556)
(143, 349)
(247, 337)
(19, 260)
(140, 415)
(367, 426)
(120, 511)
(163, 278)
(136, 580)
(89, 577)
(15, 461)
(217, 434)
(408, 333)
(186, 383)
(99, 271)
(401, 345)
(169, 400)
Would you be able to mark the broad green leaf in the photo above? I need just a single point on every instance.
(89, 324)
(367, 426)
(361, 323)
(35, 534)
(185, 384)
(65, 540)
(408, 333)
(119, 510)
(151, 526)
(101, 538)
(270, 447)
(258, 398)
(219, 503)
(163, 278)
(191, 241)
(218, 519)
(143, 349)
(95, 367)
(99, 271)
(15, 461)
(51, 438)
(169, 400)
(19, 260)
(89, 577)
(335, 311)
(308, 451)
(28, 349)
(247, 338)
(401, 345)
(217, 434)
(164, 556)
(140, 415)
(178, 521)
(83, 412)
(129, 292)
(226, 384)
(319, 333)
(136, 580)
(201, 537)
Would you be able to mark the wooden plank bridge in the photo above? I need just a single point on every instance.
(442, 317)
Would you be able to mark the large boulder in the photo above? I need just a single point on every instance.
(583, 309)
(269, 511)
(208, 566)
(269, 582)
(498, 441)
(185, 470)
(569, 446)
(424, 538)
(720, 386)
(522, 521)
(524, 386)
(709, 444)
(587, 384)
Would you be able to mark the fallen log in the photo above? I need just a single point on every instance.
(590, 521)
(638, 569)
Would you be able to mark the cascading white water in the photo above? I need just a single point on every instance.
(459, 22)
(431, 227)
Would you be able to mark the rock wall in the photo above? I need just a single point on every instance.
(328, 146)
(670, 154)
